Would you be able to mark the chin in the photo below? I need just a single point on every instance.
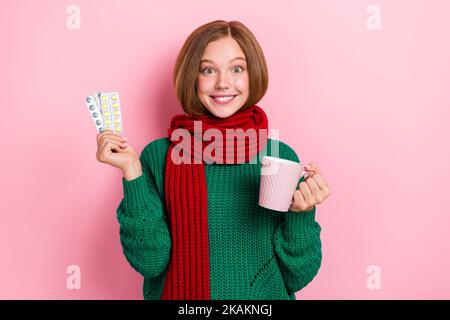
(222, 113)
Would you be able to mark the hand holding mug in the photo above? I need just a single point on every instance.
(314, 190)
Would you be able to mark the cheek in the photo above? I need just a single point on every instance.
(242, 84)
(204, 84)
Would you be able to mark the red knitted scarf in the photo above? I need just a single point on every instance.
(186, 193)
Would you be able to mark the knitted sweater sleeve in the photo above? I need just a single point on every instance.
(144, 232)
(297, 242)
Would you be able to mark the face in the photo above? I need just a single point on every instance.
(223, 83)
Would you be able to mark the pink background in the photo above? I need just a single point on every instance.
(371, 107)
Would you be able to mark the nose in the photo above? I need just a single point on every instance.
(223, 82)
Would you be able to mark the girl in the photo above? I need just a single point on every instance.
(189, 220)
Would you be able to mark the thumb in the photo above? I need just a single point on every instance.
(311, 168)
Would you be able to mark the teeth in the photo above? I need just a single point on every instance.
(223, 99)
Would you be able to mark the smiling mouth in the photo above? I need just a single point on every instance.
(223, 99)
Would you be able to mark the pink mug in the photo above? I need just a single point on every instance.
(279, 180)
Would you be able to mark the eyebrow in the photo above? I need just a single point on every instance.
(237, 58)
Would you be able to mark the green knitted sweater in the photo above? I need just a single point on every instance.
(255, 253)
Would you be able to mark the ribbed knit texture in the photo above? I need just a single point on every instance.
(255, 253)
(188, 274)
(187, 196)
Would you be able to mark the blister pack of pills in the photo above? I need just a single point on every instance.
(105, 111)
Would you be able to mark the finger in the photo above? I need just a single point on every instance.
(321, 182)
(106, 149)
(315, 190)
(107, 132)
(312, 184)
(306, 192)
(299, 202)
(312, 167)
(112, 137)
(120, 147)
(113, 141)
(110, 144)
(102, 133)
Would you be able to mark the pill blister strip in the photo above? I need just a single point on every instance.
(95, 112)
(105, 111)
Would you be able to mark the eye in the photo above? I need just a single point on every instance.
(239, 67)
(206, 69)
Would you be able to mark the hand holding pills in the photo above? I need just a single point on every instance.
(111, 146)
(113, 150)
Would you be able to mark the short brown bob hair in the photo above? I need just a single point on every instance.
(185, 73)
